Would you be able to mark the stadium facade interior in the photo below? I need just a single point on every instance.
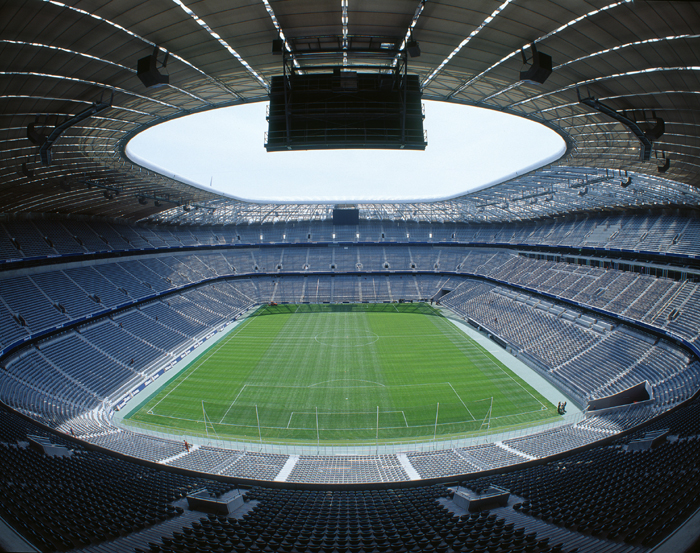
(587, 269)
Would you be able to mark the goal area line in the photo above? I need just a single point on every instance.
(238, 401)
(439, 424)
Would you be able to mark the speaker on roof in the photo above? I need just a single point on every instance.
(26, 171)
(278, 46)
(540, 69)
(147, 70)
(35, 136)
(413, 49)
(657, 130)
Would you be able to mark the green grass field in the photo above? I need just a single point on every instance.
(348, 373)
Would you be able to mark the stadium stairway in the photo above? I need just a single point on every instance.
(142, 538)
(98, 502)
(554, 534)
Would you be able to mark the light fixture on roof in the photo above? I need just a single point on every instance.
(645, 137)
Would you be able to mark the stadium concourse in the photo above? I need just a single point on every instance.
(587, 270)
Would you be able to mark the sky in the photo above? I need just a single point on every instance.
(468, 148)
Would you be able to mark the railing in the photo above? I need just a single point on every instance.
(381, 447)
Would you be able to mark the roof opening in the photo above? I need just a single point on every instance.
(469, 148)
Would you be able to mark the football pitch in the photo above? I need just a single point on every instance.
(344, 373)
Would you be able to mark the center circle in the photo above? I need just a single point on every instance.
(346, 339)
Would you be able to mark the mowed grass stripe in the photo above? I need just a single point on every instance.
(181, 400)
(517, 393)
(345, 361)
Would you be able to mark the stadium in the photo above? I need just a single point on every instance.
(511, 368)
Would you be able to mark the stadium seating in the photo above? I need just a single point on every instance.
(588, 356)
(579, 270)
(54, 504)
(121, 334)
(526, 322)
(176, 327)
(614, 491)
(670, 234)
(590, 501)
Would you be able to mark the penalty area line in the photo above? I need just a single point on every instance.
(485, 354)
(199, 363)
(234, 401)
(462, 402)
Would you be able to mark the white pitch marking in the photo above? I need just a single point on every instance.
(342, 413)
(462, 402)
(482, 351)
(297, 337)
(234, 401)
(344, 380)
(224, 342)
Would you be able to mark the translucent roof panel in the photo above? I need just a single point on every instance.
(638, 59)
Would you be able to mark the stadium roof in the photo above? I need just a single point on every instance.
(640, 59)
